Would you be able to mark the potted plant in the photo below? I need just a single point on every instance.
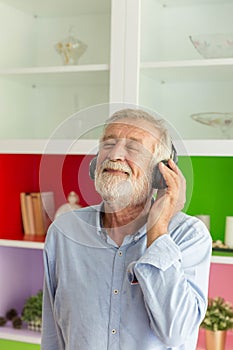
(218, 319)
(32, 312)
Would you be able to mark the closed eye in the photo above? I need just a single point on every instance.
(108, 145)
(133, 146)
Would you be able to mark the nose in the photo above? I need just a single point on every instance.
(117, 152)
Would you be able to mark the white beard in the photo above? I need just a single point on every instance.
(122, 191)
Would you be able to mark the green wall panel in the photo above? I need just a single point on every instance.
(212, 191)
(13, 345)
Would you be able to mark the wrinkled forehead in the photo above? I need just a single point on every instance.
(139, 130)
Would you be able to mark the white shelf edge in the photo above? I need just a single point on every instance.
(204, 147)
(45, 146)
(217, 259)
(21, 244)
(21, 335)
(222, 259)
(188, 63)
(55, 69)
(89, 146)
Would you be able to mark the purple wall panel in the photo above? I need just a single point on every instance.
(21, 275)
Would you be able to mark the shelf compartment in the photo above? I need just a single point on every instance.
(21, 269)
(57, 96)
(170, 23)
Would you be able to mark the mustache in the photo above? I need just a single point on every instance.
(108, 164)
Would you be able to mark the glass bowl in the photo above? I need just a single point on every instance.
(213, 45)
(223, 121)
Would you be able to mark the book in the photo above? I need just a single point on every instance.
(30, 214)
(44, 210)
(24, 212)
(38, 210)
(38, 213)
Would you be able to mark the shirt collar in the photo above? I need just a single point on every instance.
(103, 234)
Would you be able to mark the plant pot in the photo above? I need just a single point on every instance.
(215, 340)
(35, 325)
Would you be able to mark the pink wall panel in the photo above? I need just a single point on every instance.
(221, 281)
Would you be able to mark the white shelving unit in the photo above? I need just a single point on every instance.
(148, 60)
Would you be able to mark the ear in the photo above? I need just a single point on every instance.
(92, 167)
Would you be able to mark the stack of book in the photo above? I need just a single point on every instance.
(38, 209)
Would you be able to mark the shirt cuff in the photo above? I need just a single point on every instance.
(131, 275)
(162, 254)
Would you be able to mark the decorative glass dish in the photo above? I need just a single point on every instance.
(213, 45)
(70, 49)
(223, 121)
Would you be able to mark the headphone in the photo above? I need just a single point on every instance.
(158, 181)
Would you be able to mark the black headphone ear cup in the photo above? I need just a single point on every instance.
(174, 155)
(158, 181)
(92, 167)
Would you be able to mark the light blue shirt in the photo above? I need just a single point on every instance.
(98, 296)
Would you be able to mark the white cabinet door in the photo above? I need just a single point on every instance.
(38, 90)
(173, 78)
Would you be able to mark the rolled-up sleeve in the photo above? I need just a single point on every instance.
(173, 276)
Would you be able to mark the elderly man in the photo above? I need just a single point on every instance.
(131, 273)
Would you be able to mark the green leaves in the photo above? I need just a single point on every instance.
(219, 315)
(32, 310)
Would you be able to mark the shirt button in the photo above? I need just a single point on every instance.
(120, 253)
(114, 331)
(116, 291)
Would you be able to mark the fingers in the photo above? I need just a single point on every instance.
(176, 183)
(170, 173)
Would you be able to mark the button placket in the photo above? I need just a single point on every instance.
(117, 280)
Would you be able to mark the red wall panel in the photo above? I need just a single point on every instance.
(31, 173)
